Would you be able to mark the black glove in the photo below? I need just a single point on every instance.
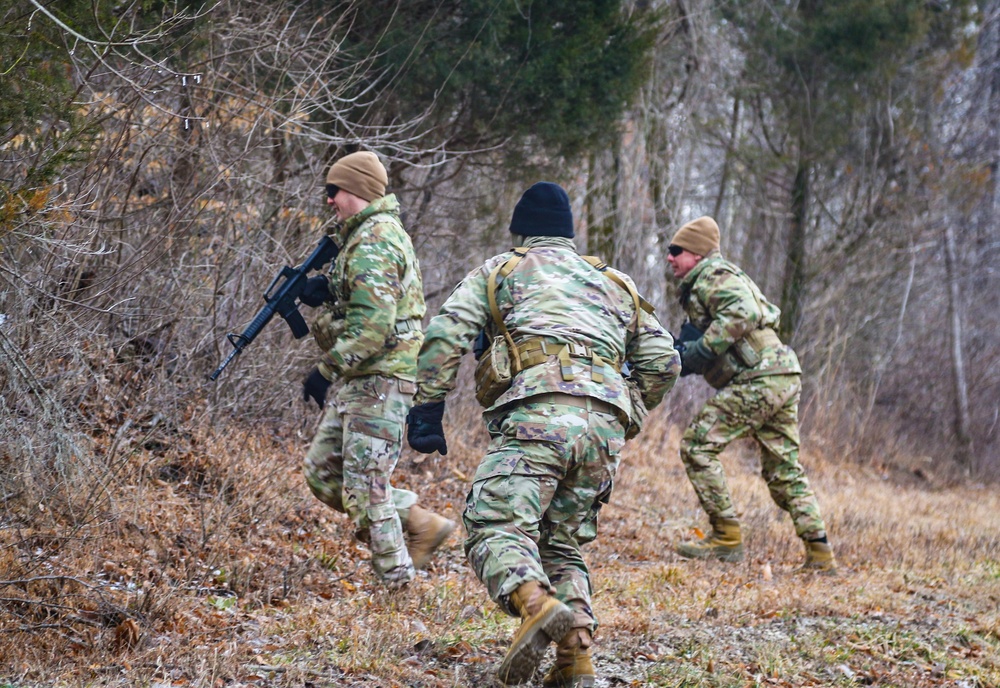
(424, 431)
(315, 387)
(481, 344)
(696, 358)
(316, 291)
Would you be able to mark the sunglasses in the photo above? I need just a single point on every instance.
(331, 190)
(674, 250)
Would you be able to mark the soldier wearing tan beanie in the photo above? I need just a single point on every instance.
(729, 338)
(699, 236)
(361, 174)
(371, 303)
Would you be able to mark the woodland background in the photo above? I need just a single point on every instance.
(160, 161)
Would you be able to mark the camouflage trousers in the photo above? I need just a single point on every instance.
(351, 460)
(535, 497)
(765, 408)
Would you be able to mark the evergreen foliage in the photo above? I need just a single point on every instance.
(559, 72)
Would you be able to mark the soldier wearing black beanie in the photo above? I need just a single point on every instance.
(543, 211)
(554, 335)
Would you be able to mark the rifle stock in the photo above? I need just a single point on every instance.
(281, 298)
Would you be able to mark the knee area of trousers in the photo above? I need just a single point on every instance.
(329, 495)
(380, 512)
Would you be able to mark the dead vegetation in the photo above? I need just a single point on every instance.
(203, 560)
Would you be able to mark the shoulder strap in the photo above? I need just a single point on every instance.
(501, 271)
(639, 302)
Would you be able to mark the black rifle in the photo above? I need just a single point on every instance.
(281, 300)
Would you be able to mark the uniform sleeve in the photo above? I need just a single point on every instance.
(731, 303)
(374, 272)
(450, 335)
(653, 361)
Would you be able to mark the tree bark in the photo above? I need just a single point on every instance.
(963, 438)
(601, 230)
(794, 281)
(727, 162)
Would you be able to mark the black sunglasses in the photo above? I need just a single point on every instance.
(331, 190)
(674, 250)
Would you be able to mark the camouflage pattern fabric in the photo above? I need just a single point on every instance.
(725, 304)
(561, 297)
(550, 465)
(535, 499)
(762, 402)
(351, 460)
(766, 409)
(375, 282)
(376, 286)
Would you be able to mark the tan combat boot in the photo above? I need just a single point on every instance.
(544, 619)
(723, 543)
(819, 558)
(573, 668)
(427, 532)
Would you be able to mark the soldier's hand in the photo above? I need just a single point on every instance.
(315, 387)
(316, 291)
(424, 430)
(696, 358)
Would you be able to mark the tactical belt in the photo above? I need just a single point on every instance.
(589, 403)
(538, 350)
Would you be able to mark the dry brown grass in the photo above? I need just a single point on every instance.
(208, 563)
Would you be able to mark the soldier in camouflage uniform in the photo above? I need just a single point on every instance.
(369, 331)
(569, 324)
(731, 341)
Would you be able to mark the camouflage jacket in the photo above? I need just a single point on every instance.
(725, 304)
(379, 294)
(552, 293)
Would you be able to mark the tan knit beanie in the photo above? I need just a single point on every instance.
(362, 174)
(698, 236)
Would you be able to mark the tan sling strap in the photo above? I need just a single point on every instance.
(638, 301)
(502, 271)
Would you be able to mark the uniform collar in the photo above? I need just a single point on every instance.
(555, 242)
(383, 204)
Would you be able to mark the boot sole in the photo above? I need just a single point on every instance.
(819, 571)
(728, 555)
(587, 681)
(523, 659)
(575, 682)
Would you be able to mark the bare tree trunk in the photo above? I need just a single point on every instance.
(993, 113)
(795, 262)
(601, 229)
(963, 439)
(727, 163)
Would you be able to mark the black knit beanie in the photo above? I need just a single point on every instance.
(543, 211)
